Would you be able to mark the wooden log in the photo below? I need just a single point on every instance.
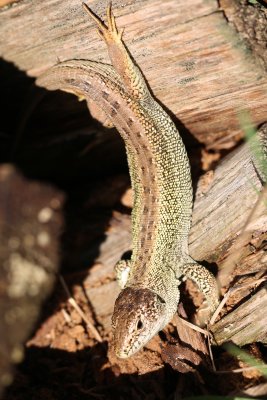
(222, 210)
(195, 64)
(246, 324)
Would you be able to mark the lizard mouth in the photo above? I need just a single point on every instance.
(128, 351)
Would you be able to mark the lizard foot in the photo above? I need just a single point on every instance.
(122, 269)
(109, 32)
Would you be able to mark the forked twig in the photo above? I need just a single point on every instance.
(74, 304)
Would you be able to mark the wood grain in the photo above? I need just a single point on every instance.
(220, 214)
(245, 324)
(195, 64)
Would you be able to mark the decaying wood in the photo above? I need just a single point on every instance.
(250, 21)
(223, 209)
(246, 324)
(195, 64)
(29, 243)
(190, 351)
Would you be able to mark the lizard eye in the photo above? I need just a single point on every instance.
(139, 324)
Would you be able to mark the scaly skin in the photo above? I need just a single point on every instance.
(161, 180)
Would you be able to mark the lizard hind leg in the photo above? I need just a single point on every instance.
(122, 270)
(120, 57)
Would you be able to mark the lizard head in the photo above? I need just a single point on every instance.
(138, 315)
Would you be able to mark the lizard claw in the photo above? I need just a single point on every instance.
(109, 32)
(114, 33)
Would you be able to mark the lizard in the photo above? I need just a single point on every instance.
(161, 181)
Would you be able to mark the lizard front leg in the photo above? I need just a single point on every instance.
(122, 270)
